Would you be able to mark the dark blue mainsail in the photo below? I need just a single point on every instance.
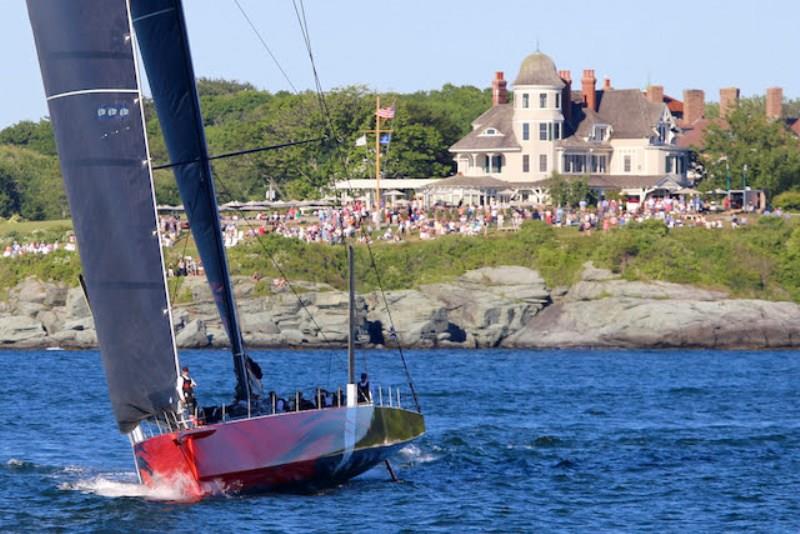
(87, 63)
(164, 45)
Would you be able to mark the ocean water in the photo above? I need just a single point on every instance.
(517, 441)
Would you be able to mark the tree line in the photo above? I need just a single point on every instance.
(238, 116)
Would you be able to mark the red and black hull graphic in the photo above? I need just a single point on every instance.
(296, 451)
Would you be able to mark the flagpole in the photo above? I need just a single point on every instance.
(378, 157)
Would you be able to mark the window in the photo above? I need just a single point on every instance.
(526, 131)
(626, 162)
(490, 131)
(526, 163)
(574, 163)
(542, 162)
(675, 164)
(497, 163)
(557, 130)
(492, 164)
(558, 100)
(662, 132)
(599, 133)
(525, 101)
(542, 131)
(542, 100)
(599, 164)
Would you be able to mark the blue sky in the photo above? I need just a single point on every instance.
(406, 45)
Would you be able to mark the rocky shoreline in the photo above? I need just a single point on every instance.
(489, 307)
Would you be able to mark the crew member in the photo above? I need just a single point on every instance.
(364, 394)
(186, 387)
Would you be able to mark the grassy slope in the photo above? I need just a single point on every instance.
(759, 261)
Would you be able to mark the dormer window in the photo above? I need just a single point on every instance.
(663, 129)
(490, 132)
(600, 133)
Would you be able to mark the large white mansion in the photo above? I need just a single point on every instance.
(622, 139)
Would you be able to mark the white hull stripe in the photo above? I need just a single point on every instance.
(92, 91)
(153, 14)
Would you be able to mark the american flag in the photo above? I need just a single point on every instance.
(385, 113)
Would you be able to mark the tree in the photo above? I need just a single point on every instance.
(753, 150)
(37, 136)
(568, 192)
(238, 116)
(30, 185)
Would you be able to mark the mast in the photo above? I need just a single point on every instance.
(164, 44)
(378, 154)
(351, 322)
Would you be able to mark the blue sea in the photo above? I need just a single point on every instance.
(517, 441)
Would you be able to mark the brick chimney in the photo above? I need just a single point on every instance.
(655, 94)
(566, 94)
(728, 100)
(774, 103)
(587, 88)
(606, 83)
(694, 105)
(499, 91)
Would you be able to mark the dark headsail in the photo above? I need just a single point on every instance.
(164, 45)
(87, 62)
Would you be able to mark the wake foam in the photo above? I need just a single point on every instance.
(177, 489)
(413, 454)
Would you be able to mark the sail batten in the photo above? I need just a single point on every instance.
(164, 45)
(92, 91)
(95, 108)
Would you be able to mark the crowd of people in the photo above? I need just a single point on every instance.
(357, 220)
(16, 249)
(335, 224)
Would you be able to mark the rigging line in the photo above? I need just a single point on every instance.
(324, 109)
(185, 244)
(178, 278)
(394, 333)
(239, 153)
(303, 22)
(264, 44)
(278, 268)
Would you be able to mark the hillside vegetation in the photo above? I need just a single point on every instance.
(761, 260)
(753, 152)
(237, 116)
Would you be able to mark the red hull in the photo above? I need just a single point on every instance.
(297, 450)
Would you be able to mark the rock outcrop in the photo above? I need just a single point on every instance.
(503, 306)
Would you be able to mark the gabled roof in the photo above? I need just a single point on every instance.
(793, 123)
(629, 112)
(498, 117)
(694, 135)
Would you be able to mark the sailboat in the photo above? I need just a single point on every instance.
(86, 51)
